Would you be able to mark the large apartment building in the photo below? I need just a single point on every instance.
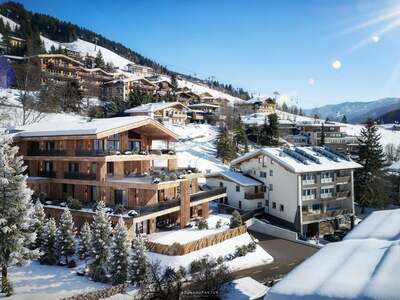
(113, 160)
(309, 189)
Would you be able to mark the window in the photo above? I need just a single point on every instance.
(221, 184)
(259, 159)
(274, 205)
(271, 173)
(259, 204)
(308, 194)
(304, 208)
(267, 203)
(271, 187)
(316, 206)
(113, 142)
(98, 145)
(263, 174)
(263, 188)
(326, 192)
(326, 177)
(134, 146)
(308, 178)
(110, 168)
(240, 204)
(73, 167)
(281, 207)
(237, 188)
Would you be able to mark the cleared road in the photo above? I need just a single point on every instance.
(286, 254)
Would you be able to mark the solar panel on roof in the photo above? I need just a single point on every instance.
(345, 157)
(295, 155)
(326, 153)
(309, 156)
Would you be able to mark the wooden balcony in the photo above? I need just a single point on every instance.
(343, 179)
(252, 195)
(214, 193)
(80, 176)
(49, 174)
(309, 216)
(343, 194)
(52, 152)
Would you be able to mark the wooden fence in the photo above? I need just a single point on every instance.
(210, 240)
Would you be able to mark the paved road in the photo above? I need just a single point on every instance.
(286, 256)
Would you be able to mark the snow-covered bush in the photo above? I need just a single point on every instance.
(119, 209)
(203, 224)
(218, 224)
(236, 220)
(73, 203)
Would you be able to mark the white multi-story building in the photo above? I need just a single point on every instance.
(309, 189)
(243, 192)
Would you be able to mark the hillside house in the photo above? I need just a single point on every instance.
(256, 105)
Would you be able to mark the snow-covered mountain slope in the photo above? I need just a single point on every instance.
(84, 47)
(10, 22)
(356, 112)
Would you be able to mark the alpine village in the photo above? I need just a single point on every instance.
(123, 179)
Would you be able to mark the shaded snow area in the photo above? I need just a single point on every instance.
(252, 259)
(242, 289)
(10, 22)
(186, 235)
(38, 282)
(365, 265)
(196, 147)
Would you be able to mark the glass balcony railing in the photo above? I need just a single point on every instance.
(80, 176)
(50, 152)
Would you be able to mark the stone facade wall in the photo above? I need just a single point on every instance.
(101, 294)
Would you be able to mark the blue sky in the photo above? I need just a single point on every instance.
(262, 46)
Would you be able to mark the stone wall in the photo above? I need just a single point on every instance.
(182, 249)
(100, 294)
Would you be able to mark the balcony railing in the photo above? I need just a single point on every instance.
(252, 195)
(207, 194)
(326, 195)
(309, 216)
(343, 194)
(307, 197)
(327, 180)
(343, 179)
(53, 152)
(123, 152)
(50, 174)
(308, 181)
(80, 176)
(148, 209)
(82, 152)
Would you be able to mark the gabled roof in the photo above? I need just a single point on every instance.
(92, 127)
(236, 177)
(394, 167)
(365, 265)
(307, 159)
(154, 106)
(59, 56)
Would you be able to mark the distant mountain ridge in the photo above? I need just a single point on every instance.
(390, 117)
(357, 111)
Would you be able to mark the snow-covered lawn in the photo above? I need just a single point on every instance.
(186, 235)
(36, 281)
(252, 259)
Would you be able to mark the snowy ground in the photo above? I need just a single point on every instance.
(196, 147)
(257, 258)
(36, 281)
(186, 235)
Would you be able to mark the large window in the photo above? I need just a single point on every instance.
(120, 197)
(113, 142)
(263, 174)
(237, 188)
(110, 168)
(308, 178)
(326, 177)
(308, 194)
(134, 146)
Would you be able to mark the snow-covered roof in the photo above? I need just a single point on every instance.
(365, 265)
(304, 160)
(245, 288)
(236, 177)
(154, 106)
(81, 126)
(204, 105)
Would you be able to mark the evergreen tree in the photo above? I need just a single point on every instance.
(38, 222)
(119, 254)
(48, 249)
(369, 179)
(274, 129)
(174, 82)
(226, 146)
(236, 220)
(101, 229)
(85, 245)
(138, 263)
(322, 141)
(88, 61)
(264, 134)
(240, 137)
(15, 211)
(99, 61)
(344, 119)
(284, 107)
(66, 235)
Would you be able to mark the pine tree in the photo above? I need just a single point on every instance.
(236, 220)
(101, 229)
(322, 141)
(85, 245)
(274, 129)
(118, 263)
(48, 249)
(174, 82)
(99, 61)
(38, 222)
(15, 211)
(369, 179)
(66, 235)
(88, 61)
(264, 134)
(138, 263)
(344, 119)
(226, 146)
(240, 137)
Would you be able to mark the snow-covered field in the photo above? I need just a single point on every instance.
(39, 282)
(186, 235)
(256, 258)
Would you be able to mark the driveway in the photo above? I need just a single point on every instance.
(286, 254)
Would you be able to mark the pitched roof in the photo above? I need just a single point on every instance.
(365, 265)
(302, 160)
(85, 126)
(236, 177)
